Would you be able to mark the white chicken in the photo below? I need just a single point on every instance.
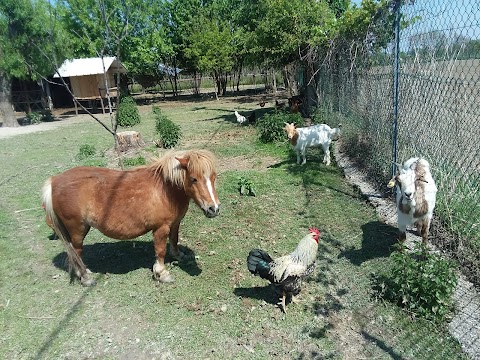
(240, 118)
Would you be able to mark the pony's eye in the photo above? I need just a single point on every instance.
(193, 180)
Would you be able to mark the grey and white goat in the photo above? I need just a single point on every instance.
(416, 195)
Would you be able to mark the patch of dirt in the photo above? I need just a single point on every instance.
(465, 325)
(245, 163)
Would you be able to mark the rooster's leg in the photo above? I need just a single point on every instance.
(282, 302)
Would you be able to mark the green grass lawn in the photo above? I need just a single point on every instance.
(215, 309)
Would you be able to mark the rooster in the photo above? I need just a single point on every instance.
(287, 272)
(240, 118)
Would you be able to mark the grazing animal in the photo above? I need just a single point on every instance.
(126, 204)
(415, 198)
(252, 118)
(286, 272)
(240, 118)
(312, 136)
(294, 103)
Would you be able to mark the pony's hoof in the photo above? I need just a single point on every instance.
(88, 281)
(164, 277)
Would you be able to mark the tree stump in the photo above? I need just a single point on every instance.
(129, 139)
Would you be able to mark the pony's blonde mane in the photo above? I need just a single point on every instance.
(168, 167)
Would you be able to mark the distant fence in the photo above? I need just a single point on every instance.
(189, 85)
(437, 111)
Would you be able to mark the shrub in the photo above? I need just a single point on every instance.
(127, 112)
(33, 118)
(246, 187)
(168, 131)
(136, 161)
(270, 126)
(421, 282)
(86, 151)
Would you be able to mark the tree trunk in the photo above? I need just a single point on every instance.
(7, 116)
(274, 82)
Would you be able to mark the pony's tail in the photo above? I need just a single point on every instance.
(76, 265)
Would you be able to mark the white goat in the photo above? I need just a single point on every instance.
(312, 136)
(416, 195)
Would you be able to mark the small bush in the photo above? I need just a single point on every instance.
(270, 126)
(246, 187)
(127, 112)
(86, 151)
(136, 161)
(33, 118)
(168, 131)
(421, 282)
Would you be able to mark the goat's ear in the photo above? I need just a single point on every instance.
(393, 181)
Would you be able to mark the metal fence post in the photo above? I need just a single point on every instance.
(396, 66)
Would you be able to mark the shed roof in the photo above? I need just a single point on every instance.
(89, 66)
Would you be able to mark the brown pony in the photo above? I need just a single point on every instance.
(127, 204)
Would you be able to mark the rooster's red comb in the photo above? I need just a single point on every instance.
(314, 230)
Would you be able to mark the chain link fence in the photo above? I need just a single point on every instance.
(437, 110)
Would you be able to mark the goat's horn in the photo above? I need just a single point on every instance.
(397, 164)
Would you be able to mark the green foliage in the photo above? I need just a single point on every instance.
(86, 151)
(23, 23)
(270, 126)
(246, 187)
(169, 132)
(33, 118)
(127, 114)
(136, 161)
(421, 282)
(38, 117)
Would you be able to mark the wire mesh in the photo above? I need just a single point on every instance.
(438, 110)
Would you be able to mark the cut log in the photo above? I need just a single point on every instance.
(129, 139)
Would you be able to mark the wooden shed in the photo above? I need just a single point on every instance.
(87, 79)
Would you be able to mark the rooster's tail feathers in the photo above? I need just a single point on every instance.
(258, 263)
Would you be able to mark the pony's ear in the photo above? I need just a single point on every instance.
(183, 162)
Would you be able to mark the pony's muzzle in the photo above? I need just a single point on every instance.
(212, 211)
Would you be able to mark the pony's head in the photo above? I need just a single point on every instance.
(199, 180)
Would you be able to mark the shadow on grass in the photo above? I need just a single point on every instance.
(381, 344)
(121, 257)
(64, 323)
(267, 293)
(315, 174)
(378, 239)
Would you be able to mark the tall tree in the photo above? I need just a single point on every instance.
(210, 49)
(28, 31)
